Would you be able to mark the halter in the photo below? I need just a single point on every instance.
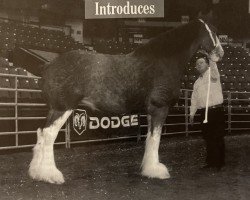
(210, 32)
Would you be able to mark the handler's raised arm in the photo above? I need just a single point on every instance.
(215, 75)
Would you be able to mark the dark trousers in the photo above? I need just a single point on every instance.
(213, 133)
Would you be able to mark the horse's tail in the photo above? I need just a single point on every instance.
(24, 58)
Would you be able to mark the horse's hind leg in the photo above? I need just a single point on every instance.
(42, 166)
(151, 167)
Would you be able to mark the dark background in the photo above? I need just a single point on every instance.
(231, 16)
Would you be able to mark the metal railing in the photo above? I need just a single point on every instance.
(16, 118)
(180, 126)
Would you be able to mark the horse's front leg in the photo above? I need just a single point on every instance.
(151, 167)
(42, 166)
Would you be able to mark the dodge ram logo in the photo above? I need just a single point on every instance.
(79, 121)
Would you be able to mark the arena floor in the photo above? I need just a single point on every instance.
(111, 171)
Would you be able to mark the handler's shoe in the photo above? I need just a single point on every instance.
(220, 168)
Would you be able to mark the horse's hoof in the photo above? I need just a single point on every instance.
(158, 170)
(56, 177)
(49, 175)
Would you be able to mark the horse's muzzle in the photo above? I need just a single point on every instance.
(216, 55)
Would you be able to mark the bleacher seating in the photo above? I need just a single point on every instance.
(233, 70)
(113, 47)
(5, 83)
(17, 34)
(4, 70)
(22, 83)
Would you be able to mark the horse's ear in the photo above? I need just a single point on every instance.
(209, 17)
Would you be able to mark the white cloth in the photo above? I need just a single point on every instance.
(199, 95)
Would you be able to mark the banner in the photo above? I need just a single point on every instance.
(95, 9)
(88, 123)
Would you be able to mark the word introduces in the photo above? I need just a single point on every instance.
(113, 122)
(127, 9)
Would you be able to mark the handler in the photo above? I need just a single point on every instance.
(214, 130)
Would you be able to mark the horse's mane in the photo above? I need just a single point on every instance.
(170, 42)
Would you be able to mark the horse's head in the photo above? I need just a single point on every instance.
(209, 42)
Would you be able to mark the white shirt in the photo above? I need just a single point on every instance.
(199, 95)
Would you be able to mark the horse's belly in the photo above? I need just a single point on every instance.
(111, 102)
(105, 102)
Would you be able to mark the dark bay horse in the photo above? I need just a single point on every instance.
(146, 80)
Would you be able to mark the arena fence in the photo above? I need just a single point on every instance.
(19, 119)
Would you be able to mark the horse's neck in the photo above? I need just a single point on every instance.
(182, 58)
(169, 43)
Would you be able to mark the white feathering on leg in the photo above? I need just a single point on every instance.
(37, 155)
(151, 167)
(43, 167)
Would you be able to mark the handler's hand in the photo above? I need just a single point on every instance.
(191, 120)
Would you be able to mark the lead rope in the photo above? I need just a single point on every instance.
(208, 93)
(209, 70)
